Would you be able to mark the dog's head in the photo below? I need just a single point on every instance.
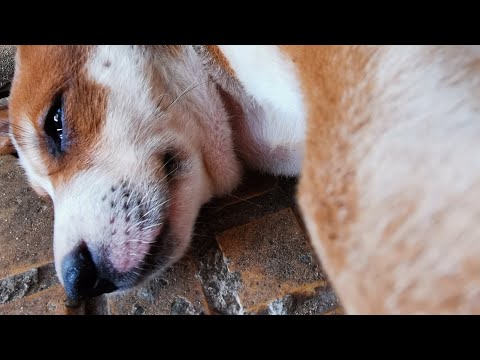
(128, 142)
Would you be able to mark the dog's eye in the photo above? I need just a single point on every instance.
(170, 163)
(53, 127)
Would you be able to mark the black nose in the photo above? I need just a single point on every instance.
(80, 276)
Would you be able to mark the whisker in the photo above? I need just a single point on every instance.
(132, 191)
(182, 94)
(244, 200)
(152, 245)
(136, 224)
(6, 122)
(137, 241)
(155, 208)
(167, 175)
(159, 106)
(165, 164)
(136, 273)
(152, 226)
(142, 202)
(139, 267)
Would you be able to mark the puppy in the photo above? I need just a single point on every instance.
(130, 141)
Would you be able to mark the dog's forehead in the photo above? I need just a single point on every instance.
(50, 65)
(54, 55)
(39, 74)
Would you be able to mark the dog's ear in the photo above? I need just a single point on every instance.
(6, 146)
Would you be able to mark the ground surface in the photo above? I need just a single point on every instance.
(250, 255)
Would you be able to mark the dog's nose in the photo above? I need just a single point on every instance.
(80, 276)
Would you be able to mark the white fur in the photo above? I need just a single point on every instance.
(268, 76)
(81, 215)
(429, 159)
(273, 104)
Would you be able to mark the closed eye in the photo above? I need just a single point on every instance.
(53, 127)
(171, 164)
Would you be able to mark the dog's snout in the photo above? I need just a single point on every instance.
(81, 277)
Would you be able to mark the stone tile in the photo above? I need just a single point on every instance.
(7, 57)
(220, 285)
(97, 306)
(26, 222)
(27, 283)
(321, 302)
(273, 259)
(47, 302)
(215, 219)
(242, 211)
(177, 292)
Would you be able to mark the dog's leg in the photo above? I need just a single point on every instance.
(392, 175)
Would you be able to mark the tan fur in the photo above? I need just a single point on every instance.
(220, 59)
(81, 96)
(326, 72)
(394, 247)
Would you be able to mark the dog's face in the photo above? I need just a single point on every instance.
(108, 134)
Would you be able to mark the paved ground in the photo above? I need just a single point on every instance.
(250, 256)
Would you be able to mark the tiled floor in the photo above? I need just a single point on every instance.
(250, 255)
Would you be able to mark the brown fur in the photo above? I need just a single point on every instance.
(326, 71)
(394, 249)
(220, 59)
(85, 102)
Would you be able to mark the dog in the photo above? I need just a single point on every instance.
(130, 141)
